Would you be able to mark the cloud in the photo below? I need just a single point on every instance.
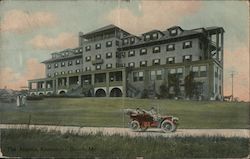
(20, 21)
(14, 80)
(152, 15)
(237, 61)
(62, 41)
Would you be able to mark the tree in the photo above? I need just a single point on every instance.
(189, 85)
(173, 81)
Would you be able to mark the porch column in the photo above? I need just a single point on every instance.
(79, 80)
(107, 83)
(56, 85)
(217, 45)
(124, 83)
(67, 82)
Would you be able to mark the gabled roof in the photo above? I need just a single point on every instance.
(153, 31)
(107, 27)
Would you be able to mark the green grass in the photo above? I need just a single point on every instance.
(109, 112)
(37, 143)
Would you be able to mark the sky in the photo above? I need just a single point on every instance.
(31, 30)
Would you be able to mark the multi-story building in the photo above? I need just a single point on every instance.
(112, 62)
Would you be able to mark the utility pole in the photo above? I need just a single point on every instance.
(232, 76)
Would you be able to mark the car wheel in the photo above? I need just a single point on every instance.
(168, 126)
(135, 125)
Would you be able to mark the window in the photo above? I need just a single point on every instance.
(88, 48)
(156, 62)
(77, 62)
(87, 68)
(108, 43)
(117, 43)
(98, 67)
(187, 58)
(187, 44)
(143, 51)
(125, 41)
(137, 76)
(203, 71)
(152, 75)
(70, 71)
(88, 58)
(155, 36)
(62, 73)
(156, 49)
(170, 47)
(80, 50)
(131, 53)
(143, 63)
(62, 64)
(147, 37)
(48, 75)
(98, 56)
(173, 32)
(195, 70)
(216, 72)
(63, 54)
(78, 70)
(49, 66)
(172, 71)
(131, 64)
(97, 46)
(109, 55)
(56, 65)
(170, 60)
(109, 65)
(159, 75)
(69, 63)
(56, 73)
(132, 40)
(180, 72)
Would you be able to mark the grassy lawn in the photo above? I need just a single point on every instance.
(36, 143)
(109, 112)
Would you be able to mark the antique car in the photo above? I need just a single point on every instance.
(141, 120)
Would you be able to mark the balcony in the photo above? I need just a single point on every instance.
(97, 61)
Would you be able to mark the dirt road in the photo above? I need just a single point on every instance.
(245, 133)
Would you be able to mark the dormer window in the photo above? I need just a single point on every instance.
(173, 32)
(98, 46)
(132, 40)
(143, 51)
(187, 44)
(170, 47)
(147, 37)
(155, 36)
(98, 56)
(125, 41)
(156, 49)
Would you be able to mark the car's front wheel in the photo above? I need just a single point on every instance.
(168, 126)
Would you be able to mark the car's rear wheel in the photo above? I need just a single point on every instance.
(168, 126)
(135, 125)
